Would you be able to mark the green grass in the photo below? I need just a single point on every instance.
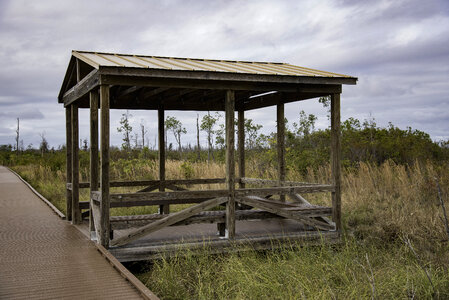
(382, 206)
(351, 270)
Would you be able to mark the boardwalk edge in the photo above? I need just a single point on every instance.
(54, 208)
(133, 280)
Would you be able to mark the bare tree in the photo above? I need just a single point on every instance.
(143, 133)
(85, 145)
(43, 144)
(17, 136)
(198, 146)
(136, 140)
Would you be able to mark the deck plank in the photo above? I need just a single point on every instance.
(44, 257)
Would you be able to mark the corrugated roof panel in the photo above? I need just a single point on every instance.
(190, 64)
(97, 59)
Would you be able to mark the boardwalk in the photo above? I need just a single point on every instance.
(44, 257)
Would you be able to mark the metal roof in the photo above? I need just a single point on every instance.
(99, 59)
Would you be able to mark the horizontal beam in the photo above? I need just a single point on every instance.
(177, 195)
(126, 222)
(259, 181)
(284, 190)
(152, 182)
(87, 84)
(270, 207)
(178, 75)
(243, 243)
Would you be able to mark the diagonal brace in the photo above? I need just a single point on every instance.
(167, 221)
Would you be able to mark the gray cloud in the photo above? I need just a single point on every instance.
(398, 49)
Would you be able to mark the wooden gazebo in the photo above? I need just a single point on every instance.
(267, 210)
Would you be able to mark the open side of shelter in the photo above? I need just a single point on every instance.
(253, 216)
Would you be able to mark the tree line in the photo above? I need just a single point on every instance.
(306, 146)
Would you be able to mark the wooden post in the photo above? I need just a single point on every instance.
(76, 213)
(230, 164)
(281, 144)
(163, 209)
(335, 159)
(68, 128)
(93, 153)
(241, 145)
(104, 184)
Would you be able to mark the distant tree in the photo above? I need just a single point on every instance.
(17, 136)
(85, 145)
(126, 129)
(306, 124)
(136, 140)
(175, 126)
(43, 146)
(326, 101)
(143, 133)
(198, 136)
(207, 125)
(252, 138)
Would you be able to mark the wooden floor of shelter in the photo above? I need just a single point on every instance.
(44, 257)
(250, 234)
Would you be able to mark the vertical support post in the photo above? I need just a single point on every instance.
(230, 164)
(76, 213)
(93, 153)
(163, 209)
(241, 145)
(68, 130)
(104, 184)
(335, 159)
(281, 143)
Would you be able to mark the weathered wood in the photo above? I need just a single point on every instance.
(104, 225)
(157, 182)
(135, 221)
(335, 159)
(96, 196)
(299, 199)
(76, 212)
(87, 84)
(281, 143)
(168, 220)
(258, 181)
(163, 209)
(176, 195)
(241, 145)
(68, 128)
(203, 194)
(96, 214)
(126, 222)
(230, 164)
(149, 188)
(142, 202)
(86, 214)
(270, 207)
(94, 165)
(245, 243)
(175, 187)
(84, 204)
(306, 204)
(149, 77)
(284, 190)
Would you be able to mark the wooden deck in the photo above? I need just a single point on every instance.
(44, 257)
(252, 234)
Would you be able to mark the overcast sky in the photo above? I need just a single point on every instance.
(399, 50)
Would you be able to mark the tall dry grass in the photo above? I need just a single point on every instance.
(382, 206)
